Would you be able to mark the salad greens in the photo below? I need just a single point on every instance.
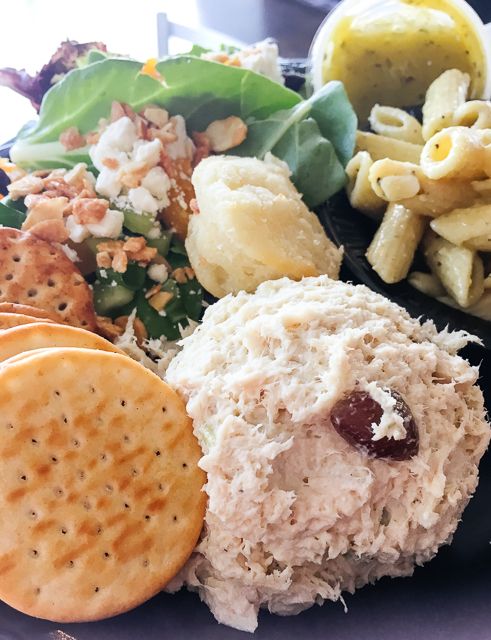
(70, 54)
(315, 136)
(316, 139)
(117, 294)
(10, 216)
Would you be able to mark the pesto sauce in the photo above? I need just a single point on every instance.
(392, 58)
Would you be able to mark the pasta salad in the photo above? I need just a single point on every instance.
(429, 186)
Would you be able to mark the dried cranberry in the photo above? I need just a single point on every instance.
(353, 416)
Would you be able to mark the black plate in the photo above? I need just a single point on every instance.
(354, 231)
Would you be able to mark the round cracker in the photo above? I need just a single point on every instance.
(100, 492)
(9, 320)
(28, 310)
(36, 272)
(41, 335)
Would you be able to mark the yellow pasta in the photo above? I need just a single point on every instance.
(484, 136)
(470, 227)
(441, 196)
(482, 188)
(392, 249)
(392, 180)
(427, 283)
(443, 97)
(380, 147)
(395, 123)
(474, 113)
(359, 189)
(455, 152)
(459, 269)
(482, 307)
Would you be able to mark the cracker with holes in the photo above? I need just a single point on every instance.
(41, 335)
(28, 310)
(101, 499)
(37, 273)
(9, 320)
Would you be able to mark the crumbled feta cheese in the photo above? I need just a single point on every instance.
(158, 183)
(183, 147)
(148, 152)
(158, 272)
(108, 184)
(76, 232)
(120, 135)
(262, 58)
(154, 232)
(141, 200)
(69, 252)
(110, 226)
(103, 273)
(121, 158)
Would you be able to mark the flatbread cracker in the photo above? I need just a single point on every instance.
(36, 272)
(41, 335)
(9, 320)
(28, 310)
(101, 498)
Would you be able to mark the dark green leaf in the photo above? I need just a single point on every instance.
(108, 299)
(157, 325)
(162, 244)
(337, 121)
(316, 170)
(133, 278)
(18, 205)
(192, 297)
(307, 137)
(10, 217)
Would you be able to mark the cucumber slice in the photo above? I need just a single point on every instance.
(139, 223)
(162, 244)
(107, 298)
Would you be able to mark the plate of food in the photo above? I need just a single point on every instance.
(202, 423)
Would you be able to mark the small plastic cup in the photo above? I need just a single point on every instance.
(369, 9)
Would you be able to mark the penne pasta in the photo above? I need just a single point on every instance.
(475, 114)
(455, 152)
(441, 196)
(444, 95)
(395, 123)
(359, 189)
(431, 286)
(380, 147)
(482, 188)
(482, 307)
(470, 227)
(459, 269)
(392, 180)
(485, 139)
(427, 283)
(392, 249)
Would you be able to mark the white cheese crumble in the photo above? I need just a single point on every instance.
(158, 272)
(119, 153)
